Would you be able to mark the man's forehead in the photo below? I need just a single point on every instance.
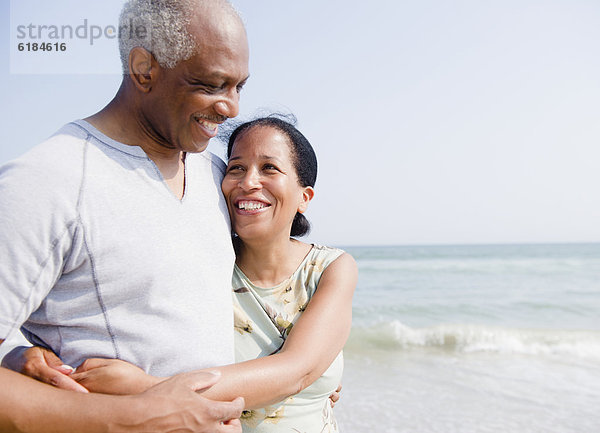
(221, 52)
(215, 18)
(217, 63)
(222, 34)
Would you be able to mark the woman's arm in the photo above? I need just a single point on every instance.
(314, 342)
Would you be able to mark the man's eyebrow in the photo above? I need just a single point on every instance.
(217, 76)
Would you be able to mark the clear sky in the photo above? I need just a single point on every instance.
(434, 121)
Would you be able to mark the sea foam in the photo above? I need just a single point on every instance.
(467, 338)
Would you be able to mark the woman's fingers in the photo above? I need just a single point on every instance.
(45, 366)
(335, 395)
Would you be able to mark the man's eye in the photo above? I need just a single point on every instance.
(270, 167)
(207, 88)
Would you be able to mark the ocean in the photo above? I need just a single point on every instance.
(485, 338)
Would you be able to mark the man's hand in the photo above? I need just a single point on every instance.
(175, 406)
(42, 364)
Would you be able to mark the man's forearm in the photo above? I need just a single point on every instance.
(30, 406)
(173, 405)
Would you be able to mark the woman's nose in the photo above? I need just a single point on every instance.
(250, 181)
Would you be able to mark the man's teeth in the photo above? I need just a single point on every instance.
(251, 205)
(207, 124)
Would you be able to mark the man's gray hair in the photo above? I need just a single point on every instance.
(161, 27)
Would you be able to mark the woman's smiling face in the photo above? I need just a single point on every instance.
(261, 185)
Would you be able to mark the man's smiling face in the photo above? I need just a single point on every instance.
(188, 102)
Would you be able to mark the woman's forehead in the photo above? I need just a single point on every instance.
(263, 142)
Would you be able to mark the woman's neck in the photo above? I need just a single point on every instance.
(267, 265)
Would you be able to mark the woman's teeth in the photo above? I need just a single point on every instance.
(251, 205)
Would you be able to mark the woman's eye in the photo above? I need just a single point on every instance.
(270, 167)
(234, 169)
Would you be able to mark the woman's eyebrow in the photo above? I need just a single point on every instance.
(274, 158)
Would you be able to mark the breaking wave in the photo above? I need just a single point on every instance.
(394, 336)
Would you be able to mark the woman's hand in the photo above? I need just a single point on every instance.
(113, 376)
(43, 365)
(335, 395)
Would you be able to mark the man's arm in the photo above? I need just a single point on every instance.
(173, 406)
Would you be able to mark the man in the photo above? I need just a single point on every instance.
(114, 234)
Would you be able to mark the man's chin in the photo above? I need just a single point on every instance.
(196, 146)
(199, 149)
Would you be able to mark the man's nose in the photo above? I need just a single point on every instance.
(229, 104)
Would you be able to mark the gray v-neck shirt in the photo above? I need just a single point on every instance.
(100, 259)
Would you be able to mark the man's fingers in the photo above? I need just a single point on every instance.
(224, 411)
(232, 426)
(221, 417)
(199, 381)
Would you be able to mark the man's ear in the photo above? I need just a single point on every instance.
(307, 196)
(142, 68)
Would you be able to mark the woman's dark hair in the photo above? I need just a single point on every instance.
(303, 156)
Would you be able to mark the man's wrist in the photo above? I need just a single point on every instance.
(124, 415)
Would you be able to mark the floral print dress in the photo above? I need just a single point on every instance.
(263, 318)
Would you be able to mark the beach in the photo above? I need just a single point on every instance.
(474, 339)
(486, 338)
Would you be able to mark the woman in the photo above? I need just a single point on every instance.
(268, 184)
(292, 300)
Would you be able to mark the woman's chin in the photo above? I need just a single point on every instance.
(251, 235)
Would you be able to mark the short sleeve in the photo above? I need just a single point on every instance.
(38, 216)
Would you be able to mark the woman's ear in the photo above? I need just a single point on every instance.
(307, 196)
